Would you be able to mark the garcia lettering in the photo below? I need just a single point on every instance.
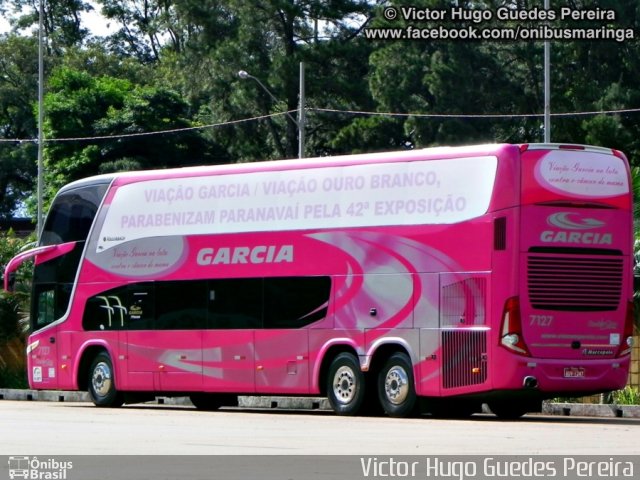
(245, 255)
(582, 238)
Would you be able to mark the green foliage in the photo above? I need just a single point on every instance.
(18, 90)
(81, 105)
(627, 396)
(10, 327)
(10, 245)
(13, 318)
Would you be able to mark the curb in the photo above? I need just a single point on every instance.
(591, 410)
(320, 403)
(284, 403)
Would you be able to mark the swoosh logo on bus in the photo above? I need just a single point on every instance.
(562, 220)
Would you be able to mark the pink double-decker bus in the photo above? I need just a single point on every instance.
(433, 280)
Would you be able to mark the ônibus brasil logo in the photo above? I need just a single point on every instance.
(575, 230)
(32, 468)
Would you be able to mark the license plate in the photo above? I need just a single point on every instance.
(574, 372)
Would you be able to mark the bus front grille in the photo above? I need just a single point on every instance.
(579, 284)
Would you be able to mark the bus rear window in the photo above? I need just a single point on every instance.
(72, 215)
(584, 178)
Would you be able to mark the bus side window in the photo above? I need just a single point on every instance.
(105, 311)
(294, 302)
(181, 305)
(46, 305)
(51, 302)
(235, 303)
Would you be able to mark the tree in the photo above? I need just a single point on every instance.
(269, 40)
(62, 20)
(18, 77)
(101, 124)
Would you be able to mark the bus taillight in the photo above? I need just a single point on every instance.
(627, 335)
(511, 333)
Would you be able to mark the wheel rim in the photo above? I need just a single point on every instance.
(344, 385)
(101, 379)
(396, 385)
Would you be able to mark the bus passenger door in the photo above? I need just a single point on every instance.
(42, 351)
(42, 360)
(234, 312)
(164, 336)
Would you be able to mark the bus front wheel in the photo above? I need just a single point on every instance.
(396, 391)
(102, 387)
(345, 385)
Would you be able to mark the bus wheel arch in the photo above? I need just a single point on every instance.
(96, 375)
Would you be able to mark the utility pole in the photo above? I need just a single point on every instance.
(547, 86)
(40, 187)
(301, 114)
(300, 122)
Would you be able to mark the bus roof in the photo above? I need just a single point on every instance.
(434, 153)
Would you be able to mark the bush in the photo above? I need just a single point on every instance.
(14, 320)
(627, 396)
(12, 343)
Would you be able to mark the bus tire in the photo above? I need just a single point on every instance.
(396, 390)
(345, 385)
(102, 386)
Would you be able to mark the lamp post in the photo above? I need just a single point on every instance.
(299, 123)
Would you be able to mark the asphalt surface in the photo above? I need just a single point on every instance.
(319, 403)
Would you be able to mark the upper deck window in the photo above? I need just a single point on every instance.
(72, 215)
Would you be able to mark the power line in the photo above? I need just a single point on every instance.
(471, 115)
(319, 110)
(141, 134)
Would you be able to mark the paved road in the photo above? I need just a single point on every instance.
(34, 428)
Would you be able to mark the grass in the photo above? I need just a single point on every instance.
(627, 396)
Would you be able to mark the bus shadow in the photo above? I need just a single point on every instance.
(479, 417)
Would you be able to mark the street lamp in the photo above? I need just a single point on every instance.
(299, 123)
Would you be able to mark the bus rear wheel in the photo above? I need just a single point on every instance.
(396, 391)
(345, 385)
(102, 387)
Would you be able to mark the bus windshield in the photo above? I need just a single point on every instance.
(68, 222)
(72, 214)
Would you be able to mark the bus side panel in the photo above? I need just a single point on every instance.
(282, 361)
(228, 361)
